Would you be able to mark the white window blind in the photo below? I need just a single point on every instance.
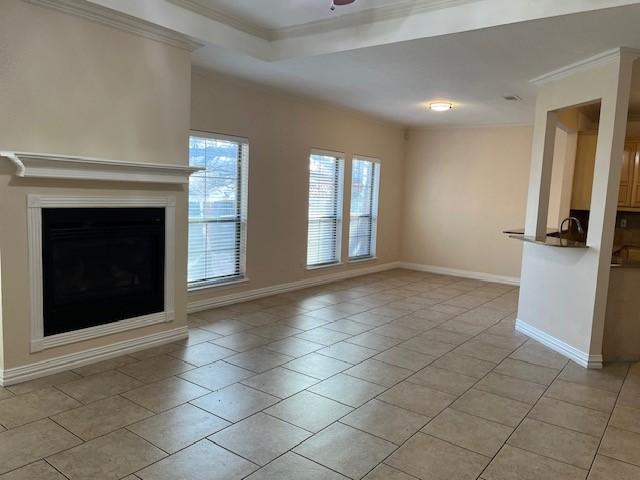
(217, 209)
(365, 182)
(326, 172)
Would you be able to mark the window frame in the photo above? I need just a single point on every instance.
(241, 208)
(338, 208)
(373, 210)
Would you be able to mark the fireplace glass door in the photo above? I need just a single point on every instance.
(101, 265)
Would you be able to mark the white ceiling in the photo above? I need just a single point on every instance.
(472, 69)
(277, 14)
(392, 60)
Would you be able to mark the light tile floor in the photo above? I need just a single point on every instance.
(393, 376)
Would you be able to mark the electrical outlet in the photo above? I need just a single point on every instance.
(623, 223)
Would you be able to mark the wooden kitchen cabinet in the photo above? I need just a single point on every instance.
(626, 175)
(634, 201)
(583, 171)
(629, 192)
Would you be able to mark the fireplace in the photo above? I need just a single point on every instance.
(101, 265)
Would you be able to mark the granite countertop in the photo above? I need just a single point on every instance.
(552, 239)
(520, 231)
(624, 264)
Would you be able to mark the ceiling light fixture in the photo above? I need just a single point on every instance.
(340, 3)
(440, 106)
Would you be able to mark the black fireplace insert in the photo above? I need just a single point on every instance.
(101, 265)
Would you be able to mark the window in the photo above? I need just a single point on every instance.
(217, 209)
(326, 171)
(365, 181)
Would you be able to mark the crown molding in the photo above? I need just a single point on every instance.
(121, 21)
(625, 54)
(400, 10)
(433, 127)
(234, 22)
(390, 12)
(39, 165)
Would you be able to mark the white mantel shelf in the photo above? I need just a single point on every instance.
(41, 165)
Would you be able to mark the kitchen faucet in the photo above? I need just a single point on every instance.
(569, 220)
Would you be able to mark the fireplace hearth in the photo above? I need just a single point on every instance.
(101, 265)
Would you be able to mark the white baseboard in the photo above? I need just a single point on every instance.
(247, 295)
(581, 358)
(487, 277)
(11, 376)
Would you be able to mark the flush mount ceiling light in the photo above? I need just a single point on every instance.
(340, 3)
(440, 106)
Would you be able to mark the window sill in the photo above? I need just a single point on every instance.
(327, 265)
(208, 286)
(363, 259)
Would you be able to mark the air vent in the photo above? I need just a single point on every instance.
(512, 98)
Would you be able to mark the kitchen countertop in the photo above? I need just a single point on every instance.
(625, 265)
(520, 231)
(551, 240)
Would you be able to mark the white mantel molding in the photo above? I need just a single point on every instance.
(42, 165)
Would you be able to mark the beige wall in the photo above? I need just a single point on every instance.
(72, 86)
(462, 188)
(282, 130)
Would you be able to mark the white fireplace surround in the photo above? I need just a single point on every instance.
(68, 167)
(81, 169)
(35, 204)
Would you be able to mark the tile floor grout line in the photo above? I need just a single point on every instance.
(126, 427)
(389, 321)
(610, 417)
(575, 404)
(206, 437)
(618, 460)
(191, 445)
(33, 463)
(378, 436)
(437, 414)
(300, 455)
(586, 385)
(56, 469)
(562, 427)
(623, 429)
(388, 404)
(479, 380)
(518, 378)
(545, 456)
(520, 423)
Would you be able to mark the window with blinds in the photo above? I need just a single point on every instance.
(217, 209)
(326, 172)
(365, 182)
